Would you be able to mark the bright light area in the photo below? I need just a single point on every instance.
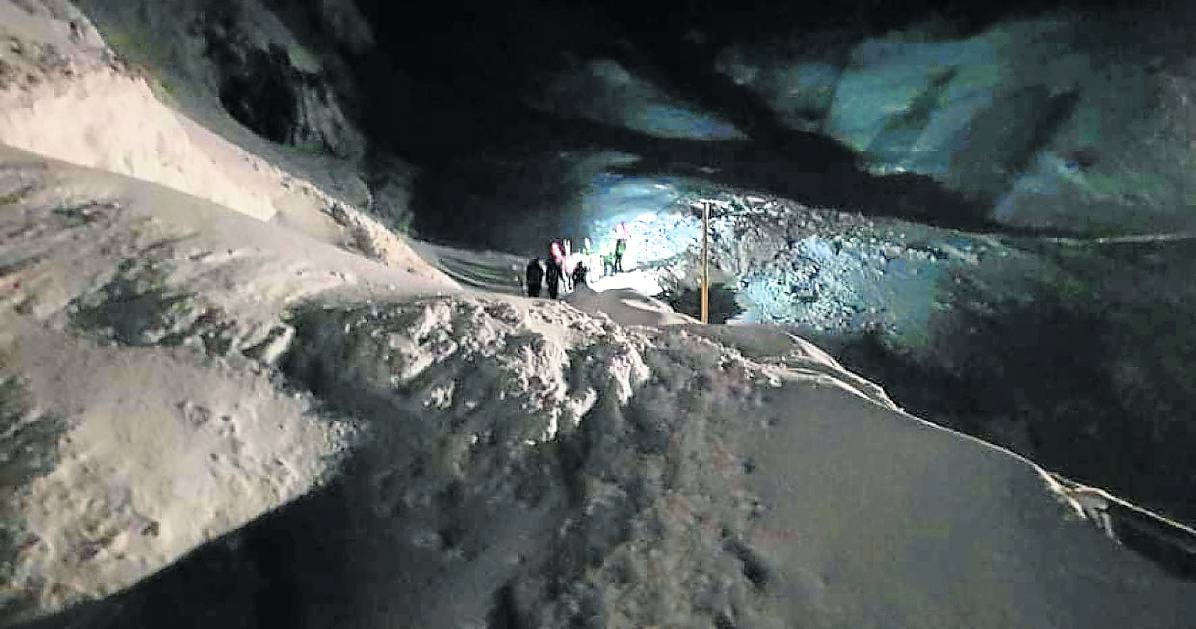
(657, 228)
(639, 280)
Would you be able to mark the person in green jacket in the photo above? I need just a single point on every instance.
(608, 260)
(622, 235)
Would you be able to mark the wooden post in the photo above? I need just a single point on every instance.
(705, 262)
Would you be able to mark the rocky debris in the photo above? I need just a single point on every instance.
(272, 348)
(816, 268)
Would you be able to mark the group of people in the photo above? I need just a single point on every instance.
(565, 269)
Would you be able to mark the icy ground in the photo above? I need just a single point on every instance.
(481, 455)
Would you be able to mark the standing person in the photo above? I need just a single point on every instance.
(567, 264)
(555, 252)
(535, 277)
(553, 278)
(556, 257)
(572, 261)
(621, 238)
(589, 256)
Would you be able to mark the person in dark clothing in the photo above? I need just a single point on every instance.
(579, 275)
(620, 249)
(535, 277)
(622, 235)
(553, 278)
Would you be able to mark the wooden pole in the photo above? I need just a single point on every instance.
(705, 262)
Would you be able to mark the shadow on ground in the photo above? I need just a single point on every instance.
(723, 306)
(1084, 370)
(286, 569)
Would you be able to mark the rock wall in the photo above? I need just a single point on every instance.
(279, 78)
(252, 60)
(1062, 120)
